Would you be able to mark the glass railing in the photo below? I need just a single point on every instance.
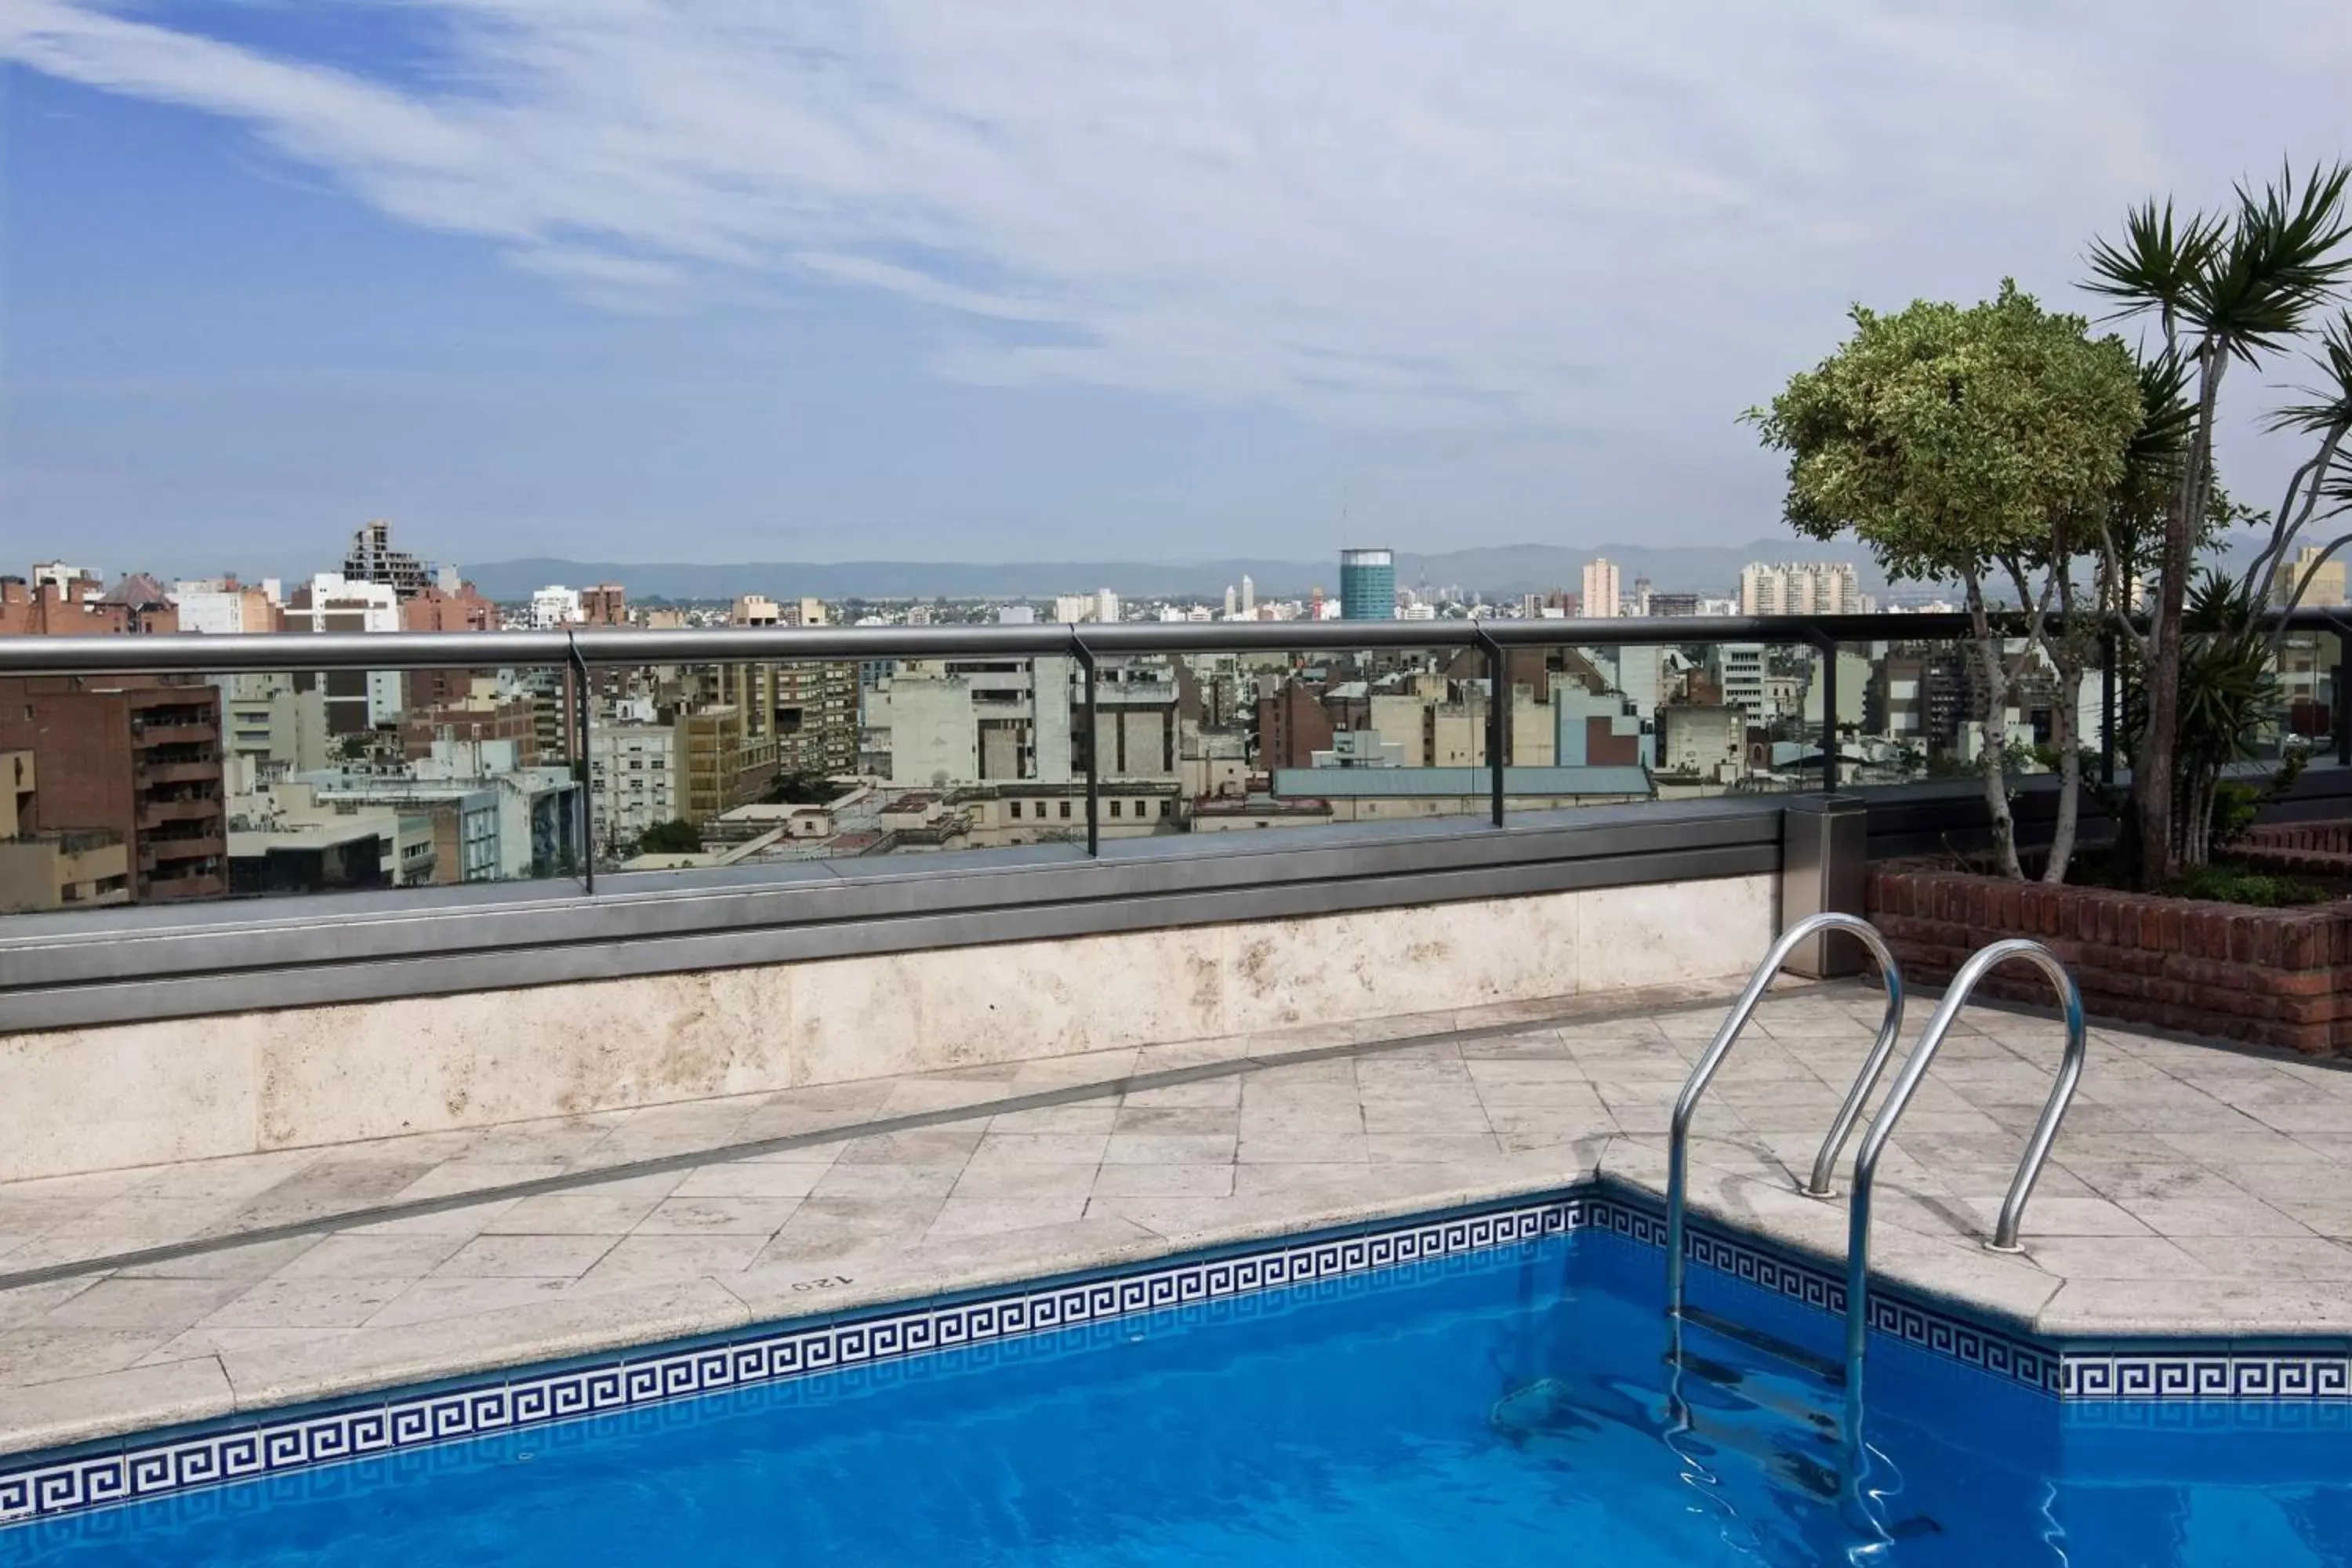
(257, 765)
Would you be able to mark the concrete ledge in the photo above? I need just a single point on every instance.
(143, 964)
(108, 1097)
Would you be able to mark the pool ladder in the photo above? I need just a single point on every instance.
(1882, 1127)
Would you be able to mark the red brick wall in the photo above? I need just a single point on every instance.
(2298, 849)
(2276, 977)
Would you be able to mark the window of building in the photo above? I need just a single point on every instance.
(1114, 808)
(1012, 810)
(1066, 811)
(1167, 808)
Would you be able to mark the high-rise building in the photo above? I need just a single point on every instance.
(357, 700)
(373, 559)
(555, 605)
(1800, 588)
(1601, 592)
(2326, 584)
(1249, 598)
(224, 607)
(1367, 585)
(1233, 601)
(605, 604)
(1106, 604)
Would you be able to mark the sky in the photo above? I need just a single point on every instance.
(832, 279)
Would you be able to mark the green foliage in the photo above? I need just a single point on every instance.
(2229, 696)
(2229, 884)
(676, 836)
(2225, 289)
(800, 789)
(1947, 438)
(2247, 282)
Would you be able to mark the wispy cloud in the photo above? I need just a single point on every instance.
(1516, 214)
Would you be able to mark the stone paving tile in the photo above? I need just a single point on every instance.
(47, 1352)
(1026, 1179)
(761, 1217)
(163, 1304)
(749, 1179)
(2183, 1170)
(440, 1297)
(515, 1256)
(1163, 1182)
(973, 1217)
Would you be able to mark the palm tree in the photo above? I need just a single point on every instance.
(2224, 291)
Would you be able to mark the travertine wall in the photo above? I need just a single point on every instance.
(99, 1099)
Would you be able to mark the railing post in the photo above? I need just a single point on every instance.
(1824, 859)
(1829, 652)
(579, 672)
(1498, 716)
(2340, 716)
(1094, 747)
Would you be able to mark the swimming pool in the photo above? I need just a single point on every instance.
(1496, 1404)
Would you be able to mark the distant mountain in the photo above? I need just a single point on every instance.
(1498, 571)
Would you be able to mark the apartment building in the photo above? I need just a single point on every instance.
(1800, 588)
(638, 779)
(80, 868)
(139, 762)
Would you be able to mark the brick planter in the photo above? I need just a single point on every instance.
(2273, 977)
(2298, 849)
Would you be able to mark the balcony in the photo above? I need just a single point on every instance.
(156, 810)
(155, 851)
(192, 889)
(145, 737)
(186, 770)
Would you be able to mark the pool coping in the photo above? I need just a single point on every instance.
(629, 1363)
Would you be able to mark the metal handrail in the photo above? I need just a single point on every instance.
(2037, 1147)
(1890, 974)
(248, 652)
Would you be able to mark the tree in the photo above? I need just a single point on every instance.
(2224, 291)
(676, 836)
(800, 789)
(1957, 442)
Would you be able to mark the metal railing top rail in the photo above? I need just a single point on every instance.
(246, 652)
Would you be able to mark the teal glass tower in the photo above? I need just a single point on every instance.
(1367, 585)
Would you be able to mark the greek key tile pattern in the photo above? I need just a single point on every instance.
(887, 1345)
(403, 1423)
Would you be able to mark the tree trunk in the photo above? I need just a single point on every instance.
(1992, 755)
(2070, 767)
(1992, 762)
(2153, 778)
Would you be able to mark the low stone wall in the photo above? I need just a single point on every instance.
(2298, 849)
(2273, 977)
(136, 1094)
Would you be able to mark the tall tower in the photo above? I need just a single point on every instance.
(1601, 592)
(1249, 597)
(1367, 585)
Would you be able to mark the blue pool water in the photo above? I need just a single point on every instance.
(1508, 1408)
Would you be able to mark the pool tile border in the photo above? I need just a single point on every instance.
(408, 1422)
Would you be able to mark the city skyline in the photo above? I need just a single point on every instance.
(1019, 283)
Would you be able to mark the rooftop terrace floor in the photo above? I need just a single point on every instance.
(2196, 1190)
